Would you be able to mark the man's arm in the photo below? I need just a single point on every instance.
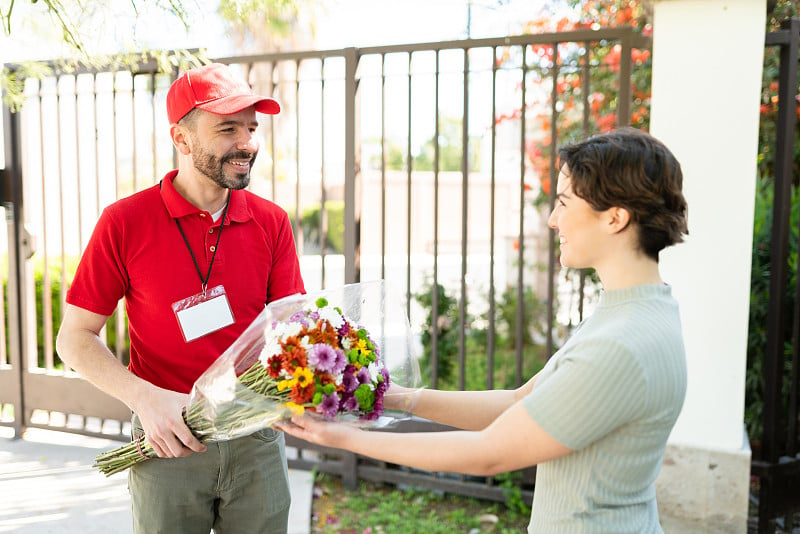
(159, 410)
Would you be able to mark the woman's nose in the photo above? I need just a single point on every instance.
(551, 221)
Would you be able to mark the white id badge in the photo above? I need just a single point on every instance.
(203, 313)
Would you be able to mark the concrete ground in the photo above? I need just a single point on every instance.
(48, 486)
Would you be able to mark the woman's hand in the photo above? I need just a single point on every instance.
(317, 431)
(401, 398)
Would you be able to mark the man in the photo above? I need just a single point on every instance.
(189, 292)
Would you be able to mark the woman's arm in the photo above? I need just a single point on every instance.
(513, 441)
(469, 410)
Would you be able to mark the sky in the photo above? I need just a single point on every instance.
(338, 23)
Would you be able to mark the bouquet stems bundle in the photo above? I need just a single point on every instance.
(256, 379)
(300, 353)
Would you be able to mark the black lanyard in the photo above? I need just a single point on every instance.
(204, 281)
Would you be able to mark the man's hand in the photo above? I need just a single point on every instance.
(160, 412)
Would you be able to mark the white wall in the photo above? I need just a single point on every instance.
(707, 62)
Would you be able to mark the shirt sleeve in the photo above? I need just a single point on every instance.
(100, 279)
(284, 276)
(589, 391)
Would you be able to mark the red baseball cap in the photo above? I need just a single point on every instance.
(216, 89)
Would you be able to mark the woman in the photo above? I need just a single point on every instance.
(596, 418)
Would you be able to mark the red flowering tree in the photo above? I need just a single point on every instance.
(582, 81)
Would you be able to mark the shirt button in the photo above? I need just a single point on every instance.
(202, 215)
(210, 230)
(212, 248)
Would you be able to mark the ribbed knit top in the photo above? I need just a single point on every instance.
(612, 393)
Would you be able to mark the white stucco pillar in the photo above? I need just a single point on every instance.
(707, 64)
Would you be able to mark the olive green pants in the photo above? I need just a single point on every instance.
(239, 486)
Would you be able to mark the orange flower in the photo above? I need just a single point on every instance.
(624, 15)
(607, 122)
(596, 100)
(545, 185)
(274, 365)
(294, 354)
(563, 24)
(302, 395)
(324, 333)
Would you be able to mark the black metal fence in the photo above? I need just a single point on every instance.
(777, 464)
(411, 163)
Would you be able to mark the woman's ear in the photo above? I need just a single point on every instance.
(180, 138)
(619, 219)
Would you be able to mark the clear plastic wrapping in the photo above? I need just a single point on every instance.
(333, 353)
(221, 394)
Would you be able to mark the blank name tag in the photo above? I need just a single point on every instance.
(202, 314)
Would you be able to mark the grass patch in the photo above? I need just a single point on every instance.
(374, 508)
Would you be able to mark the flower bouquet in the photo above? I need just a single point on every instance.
(301, 354)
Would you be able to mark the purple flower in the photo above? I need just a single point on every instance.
(329, 405)
(349, 379)
(383, 385)
(299, 317)
(344, 329)
(314, 315)
(375, 349)
(377, 410)
(351, 404)
(363, 376)
(326, 358)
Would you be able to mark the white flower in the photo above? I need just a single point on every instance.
(374, 370)
(346, 344)
(332, 316)
(271, 348)
(291, 329)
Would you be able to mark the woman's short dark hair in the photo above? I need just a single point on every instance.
(631, 169)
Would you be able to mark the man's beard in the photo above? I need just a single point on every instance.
(212, 167)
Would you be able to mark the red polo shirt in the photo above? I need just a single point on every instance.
(137, 252)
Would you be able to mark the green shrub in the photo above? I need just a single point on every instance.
(447, 335)
(533, 317)
(54, 279)
(759, 304)
(310, 224)
(476, 350)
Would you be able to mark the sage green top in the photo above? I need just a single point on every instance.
(612, 394)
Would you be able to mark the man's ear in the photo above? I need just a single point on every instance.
(180, 138)
(618, 219)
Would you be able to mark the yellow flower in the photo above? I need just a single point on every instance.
(361, 345)
(303, 376)
(286, 384)
(295, 408)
